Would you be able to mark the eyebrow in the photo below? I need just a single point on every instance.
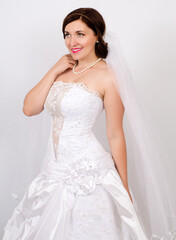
(76, 31)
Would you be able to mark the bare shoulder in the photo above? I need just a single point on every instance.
(112, 97)
(106, 75)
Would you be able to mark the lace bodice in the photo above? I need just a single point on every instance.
(76, 94)
(74, 109)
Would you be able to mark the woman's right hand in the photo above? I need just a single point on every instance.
(64, 63)
(35, 98)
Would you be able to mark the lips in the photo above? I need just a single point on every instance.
(75, 50)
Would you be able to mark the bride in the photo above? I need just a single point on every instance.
(81, 191)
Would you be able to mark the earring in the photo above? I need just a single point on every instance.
(97, 41)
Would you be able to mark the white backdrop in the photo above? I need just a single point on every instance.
(32, 42)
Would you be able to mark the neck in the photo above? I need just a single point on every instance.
(82, 63)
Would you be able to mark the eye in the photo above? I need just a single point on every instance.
(81, 34)
(66, 34)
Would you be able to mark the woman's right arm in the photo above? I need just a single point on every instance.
(34, 100)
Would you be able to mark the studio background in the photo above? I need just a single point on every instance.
(32, 42)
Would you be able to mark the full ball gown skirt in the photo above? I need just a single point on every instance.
(78, 193)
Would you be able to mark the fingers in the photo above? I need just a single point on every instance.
(71, 66)
(70, 56)
(71, 61)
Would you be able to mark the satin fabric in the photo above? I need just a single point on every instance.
(74, 167)
(49, 198)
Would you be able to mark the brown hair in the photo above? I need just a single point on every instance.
(94, 20)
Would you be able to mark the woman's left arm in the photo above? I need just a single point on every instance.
(114, 110)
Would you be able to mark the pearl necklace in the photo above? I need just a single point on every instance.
(86, 67)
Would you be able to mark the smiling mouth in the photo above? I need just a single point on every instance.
(75, 50)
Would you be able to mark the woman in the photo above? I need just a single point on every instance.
(81, 191)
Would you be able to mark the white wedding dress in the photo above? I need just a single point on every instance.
(78, 193)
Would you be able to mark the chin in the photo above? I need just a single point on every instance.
(79, 57)
(76, 58)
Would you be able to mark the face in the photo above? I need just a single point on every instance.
(80, 40)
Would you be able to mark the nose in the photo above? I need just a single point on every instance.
(73, 41)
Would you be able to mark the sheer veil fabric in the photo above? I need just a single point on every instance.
(151, 173)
